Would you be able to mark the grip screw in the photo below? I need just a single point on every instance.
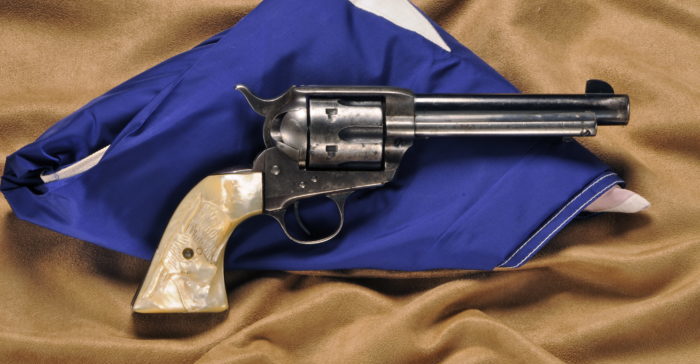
(188, 253)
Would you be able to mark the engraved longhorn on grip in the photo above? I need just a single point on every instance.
(186, 274)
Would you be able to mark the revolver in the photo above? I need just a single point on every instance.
(331, 141)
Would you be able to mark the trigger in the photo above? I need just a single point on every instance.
(338, 198)
(300, 222)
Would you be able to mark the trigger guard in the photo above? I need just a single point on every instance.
(337, 198)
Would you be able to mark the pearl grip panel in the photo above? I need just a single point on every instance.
(186, 274)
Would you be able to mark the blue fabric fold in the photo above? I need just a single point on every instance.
(470, 203)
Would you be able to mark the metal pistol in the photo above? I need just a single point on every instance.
(332, 141)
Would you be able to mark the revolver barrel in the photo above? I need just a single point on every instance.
(518, 115)
(369, 128)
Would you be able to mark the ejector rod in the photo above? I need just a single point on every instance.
(518, 115)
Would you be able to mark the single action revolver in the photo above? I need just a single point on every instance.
(332, 141)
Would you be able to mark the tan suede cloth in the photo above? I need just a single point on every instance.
(612, 288)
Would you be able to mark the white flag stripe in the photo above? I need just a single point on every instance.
(405, 15)
(75, 168)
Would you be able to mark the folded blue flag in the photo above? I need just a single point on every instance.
(113, 172)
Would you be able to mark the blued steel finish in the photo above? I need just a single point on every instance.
(334, 140)
(609, 109)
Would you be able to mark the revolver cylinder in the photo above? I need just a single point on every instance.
(345, 134)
